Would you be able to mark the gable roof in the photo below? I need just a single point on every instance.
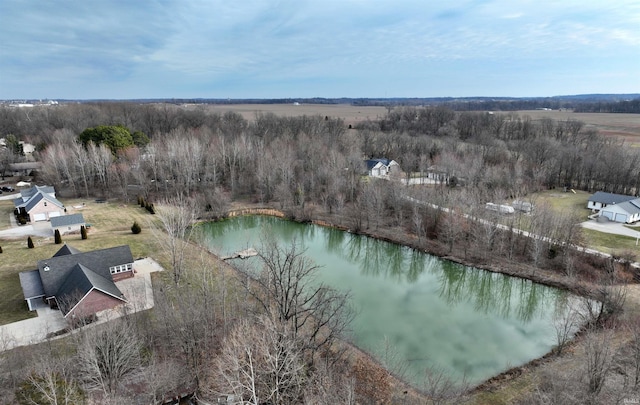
(30, 192)
(31, 284)
(79, 283)
(66, 250)
(32, 196)
(54, 271)
(371, 163)
(67, 220)
(630, 207)
(610, 198)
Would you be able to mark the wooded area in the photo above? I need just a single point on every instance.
(272, 346)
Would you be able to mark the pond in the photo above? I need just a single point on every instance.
(427, 311)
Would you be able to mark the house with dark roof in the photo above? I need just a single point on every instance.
(600, 199)
(79, 284)
(67, 223)
(38, 203)
(381, 167)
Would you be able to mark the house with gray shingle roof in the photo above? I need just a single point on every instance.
(79, 284)
(38, 203)
(600, 199)
(67, 223)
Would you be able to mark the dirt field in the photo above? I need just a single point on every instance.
(349, 113)
(625, 126)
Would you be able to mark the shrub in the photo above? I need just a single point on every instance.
(0, 249)
(57, 237)
(30, 243)
(83, 232)
(135, 228)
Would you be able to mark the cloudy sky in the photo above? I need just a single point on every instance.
(317, 48)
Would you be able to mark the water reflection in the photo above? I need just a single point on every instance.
(469, 320)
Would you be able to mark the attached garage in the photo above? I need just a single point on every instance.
(40, 217)
(621, 218)
(54, 214)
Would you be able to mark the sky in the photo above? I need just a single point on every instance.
(135, 49)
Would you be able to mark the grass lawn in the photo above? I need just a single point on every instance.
(110, 226)
(563, 202)
(610, 243)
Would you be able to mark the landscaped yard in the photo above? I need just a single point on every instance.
(110, 226)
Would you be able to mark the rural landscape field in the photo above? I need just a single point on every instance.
(398, 202)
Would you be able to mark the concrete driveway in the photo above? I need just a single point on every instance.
(137, 290)
(611, 227)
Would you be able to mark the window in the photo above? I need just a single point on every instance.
(121, 268)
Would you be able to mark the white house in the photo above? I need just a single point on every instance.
(601, 199)
(381, 167)
(67, 223)
(625, 212)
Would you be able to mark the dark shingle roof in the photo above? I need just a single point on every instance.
(80, 281)
(66, 250)
(610, 198)
(99, 261)
(67, 220)
(31, 284)
(30, 192)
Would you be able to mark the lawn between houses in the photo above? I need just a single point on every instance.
(110, 226)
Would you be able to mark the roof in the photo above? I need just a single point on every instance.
(32, 196)
(79, 283)
(30, 192)
(371, 163)
(66, 250)
(609, 198)
(31, 284)
(630, 207)
(58, 268)
(67, 220)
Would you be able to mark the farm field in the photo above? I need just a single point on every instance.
(623, 126)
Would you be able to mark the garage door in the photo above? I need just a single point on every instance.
(607, 214)
(40, 217)
(54, 214)
(621, 218)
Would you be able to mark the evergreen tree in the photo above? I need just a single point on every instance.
(135, 228)
(30, 243)
(83, 232)
(58, 238)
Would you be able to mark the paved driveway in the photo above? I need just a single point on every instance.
(137, 290)
(611, 227)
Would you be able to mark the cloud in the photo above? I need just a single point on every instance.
(202, 46)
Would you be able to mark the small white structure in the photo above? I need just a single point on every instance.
(523, 206)
(67, 223)
(500, 208)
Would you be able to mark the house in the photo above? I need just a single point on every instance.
(24, 168)
(601, 199)
(67, 223)
(79, 284)
(38, 203)
(625, 212)
(381, 167)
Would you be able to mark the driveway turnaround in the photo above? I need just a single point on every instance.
(137, 290)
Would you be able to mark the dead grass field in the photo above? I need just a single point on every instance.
(622, 126)
(349, 113)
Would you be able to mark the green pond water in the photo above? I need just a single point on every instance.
(427, 311)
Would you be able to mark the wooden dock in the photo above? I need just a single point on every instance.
(243, 254)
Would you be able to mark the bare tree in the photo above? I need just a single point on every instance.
(108, 353)
(261, 363)
(177, 217)
(598, 359)
(287, 289)
(50, 383)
